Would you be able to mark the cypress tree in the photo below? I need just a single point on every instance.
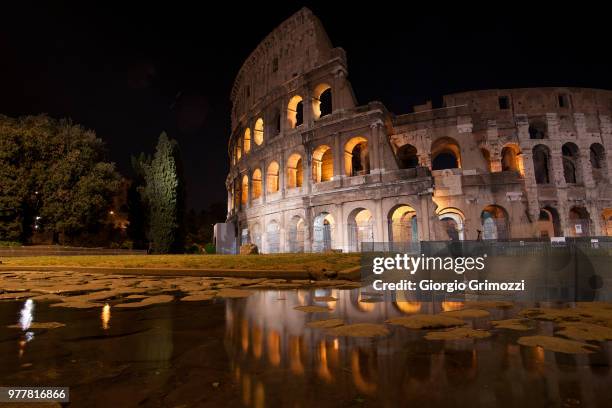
(164, 191)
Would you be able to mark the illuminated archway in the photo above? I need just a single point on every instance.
(452, 223)
(541, 164)
(571, 163)
(510, 158)
(322, 164)
(256, 184)
(360, 225)
(295, 111)
(247, 140)
(273, 237)
(579, 222)
(258, 131)
(607, 221)
(403, 226)
(322, 101)
(407, 157)
(272, 180)
(294, 171)
(356, 156)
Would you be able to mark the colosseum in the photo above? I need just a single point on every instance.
(311, 170)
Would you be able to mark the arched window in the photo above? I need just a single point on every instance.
(356, 157)
(606, 215)
(452, 222)
(258, 131)
(538, 129)
(273, 237)
(541, 164)
(323, 232)
(598, 162)
(445, 154)
(295, 111)
(247, 140)
(322, 164)
(402, 225)
(510, 158)
(360, 228)
(322, 101)
(294, 171)
(579, 222)
(245, 190)
(494, 223)
(238, 150)
(407, 157)
(272, 181)
(296, 234)
(256, 184)
(570, 163)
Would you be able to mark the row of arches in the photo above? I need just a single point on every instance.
(402, 224)
(321, 106)
(357, 162)
(571, 162)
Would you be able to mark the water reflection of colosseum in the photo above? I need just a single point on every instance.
(311, 170)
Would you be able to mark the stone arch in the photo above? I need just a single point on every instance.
(580, 222)
(599, 165)
(255, 235)
(272, 179)
(510, 158)
(295, 171)
(453, 223)
(486, 155)
(247, 141)
(606, 215)
(571, 163)
(244, 197)
(256, 183)
(356, 156)
(407, 156)
(541, 164)
(273, 237)
(403, 225)
(324, 225)
(295, 111)
(238, 150)
(495, 222)
(538, 129)
(445, 154)
(548, 223)
(322, 100)
(322, 164)
(295, 237)
(258, 132)
(360, 224)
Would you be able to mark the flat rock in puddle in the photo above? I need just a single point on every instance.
(325, 323)
(511, 324)
(459, 333)
(467, 313)
(234, 293)
(197, 297)
(359, 330)
(324, 299)
(557, 344)
(40, 325)
(423, 321)
(585, 331)
(152, 300)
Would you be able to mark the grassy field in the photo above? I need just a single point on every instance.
(285, 262)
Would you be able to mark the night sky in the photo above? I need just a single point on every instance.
(130, 72)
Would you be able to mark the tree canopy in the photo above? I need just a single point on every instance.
(53, 176)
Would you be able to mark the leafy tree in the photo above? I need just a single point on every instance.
(53, 173)
(164, 193)
(137, 205)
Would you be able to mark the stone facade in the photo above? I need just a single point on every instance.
(313, 171)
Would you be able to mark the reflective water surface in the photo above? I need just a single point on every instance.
(258, 351)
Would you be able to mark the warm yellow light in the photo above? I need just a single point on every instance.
(106, 315)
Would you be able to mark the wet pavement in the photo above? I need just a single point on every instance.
(258, 351)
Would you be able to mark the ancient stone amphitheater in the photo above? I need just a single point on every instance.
(312, 171)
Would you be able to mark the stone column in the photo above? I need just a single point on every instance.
(264, 182)
(341, 233)
(374, 146)
(379, 237)
(281, 174)
(424, 221)
(338, 156)
(307, 103)
(307, 163)
(596, 220)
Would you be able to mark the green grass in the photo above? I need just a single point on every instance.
(284, 262)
